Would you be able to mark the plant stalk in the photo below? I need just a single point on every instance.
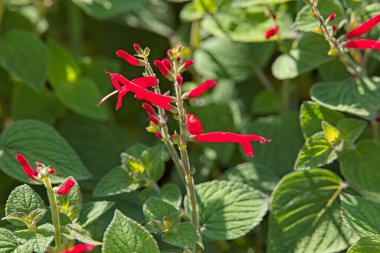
(54, 213)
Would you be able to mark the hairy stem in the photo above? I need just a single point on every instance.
(350, 65)
(164, 128)
(185, 156)
(54, 213)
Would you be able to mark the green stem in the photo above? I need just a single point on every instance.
(182, 146)
(375, 130)
(54, 213)
(2, 10)
(285, 93)
(164, 128)
(74, 23)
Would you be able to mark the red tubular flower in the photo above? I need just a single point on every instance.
(159, 100)
(145, 81)
(179, 80)
(364, 28)
(159, 135)
(332, 17)
(167, 64)
(243, 139)
(66, 187)
(193, 124)
(202, 88)
(79, 248)
(149, 109)
(188, 64)
(153, 119)
(363, 44)
(271, 32)
(32, 174)
(128, 58)
(161, 67)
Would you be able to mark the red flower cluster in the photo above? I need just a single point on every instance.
(66, 187)
(363, 29)
(79, 248)
(195, 127)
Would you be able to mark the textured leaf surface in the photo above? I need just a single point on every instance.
(154, 161)
(23, 199)
(117, 181)
(126, 235)
(25, 56)
(8, 241)
(40, 142)
(37, 240)
(156, 209)
(227, 209)
(185, 234)
(369, 244)
(360, 97)
(361, 214)
(91, 211)
(306, 203)
(171, 194)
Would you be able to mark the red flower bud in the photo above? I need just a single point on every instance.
(334, 27)
(179, 80)
(159, 135)
(167, 64)
(378, 120)
(194, 125)
(363, 44)
(32, 174)
(66, 187)
(243, 139)
(128, 58)
(364, 28)
(161, 67)
(79, 248)
(153, 119)
(169, 52)
(137, 48)
(52, 171)
(332, 17)
(271, 32)
(188, 64)
(149, 109)
(202, 88)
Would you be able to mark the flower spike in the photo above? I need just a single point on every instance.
(364, 28)
(32, 174)
(66, 187)
(79, 248)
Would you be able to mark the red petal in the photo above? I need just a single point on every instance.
(363, 44)
(128, 58)
(194, 125)
(79, 248)
(26, 167)
(202, 88)
(145, 81)
(364, 28)
(66, 187)
(161, 67)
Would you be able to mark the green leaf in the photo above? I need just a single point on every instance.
(206, 6)
(307, 53)
(246, 25)
(156, 209)
(38, 141)
(91, 211)
(361, 167)
(219, 58)
(36, 240)
(79, 233)
(27, 104)
(18, 218)
(267, 102)
(107, 9)
(305, 214)
(284, 131)
(117, 181)
(306, 22)
(361, 214)
(351, 129)
(8, 242)
(312, 115)
(171, 193)
(256, 176)
(23, 199)
(36, 215)
(369, 244)
(228, 210)
(126, 235)
(79, 94)
(25, 56)
(333, 136)
(185, 234)
(71, 203)
(360, 96)
(154, 161)
(249, 3)
(189, 13)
